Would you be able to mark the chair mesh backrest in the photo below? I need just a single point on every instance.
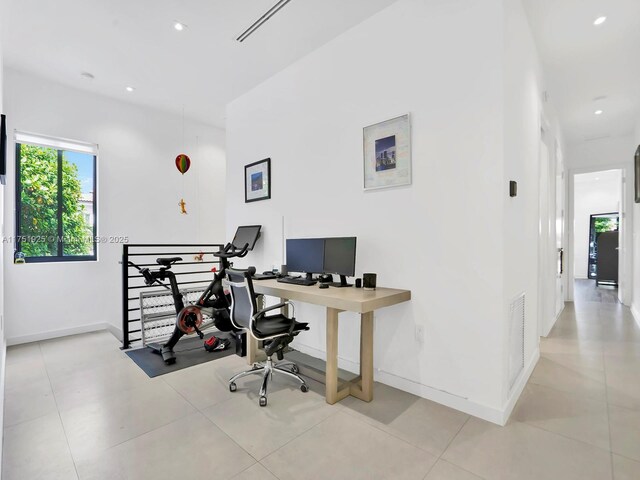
(243, 304)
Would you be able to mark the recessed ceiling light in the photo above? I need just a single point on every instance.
(600, 20)
(130, 89)
(597, 178)
(179, 26)
(87, 75)
(598, 112)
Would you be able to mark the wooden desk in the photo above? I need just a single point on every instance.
(338, 300)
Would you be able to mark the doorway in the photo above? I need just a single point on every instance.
(597, 207)
(603, 248)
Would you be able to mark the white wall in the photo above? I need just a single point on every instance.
(444, 236)
(600, 154)
(635, 306)
(591, 197)
(3, 344)
(138, 193)
(606, 154)
(523, 110)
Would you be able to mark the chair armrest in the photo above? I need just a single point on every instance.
(262, 312)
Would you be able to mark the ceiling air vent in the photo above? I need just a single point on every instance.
(262, 20)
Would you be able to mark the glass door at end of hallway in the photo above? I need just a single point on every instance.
(599, 223)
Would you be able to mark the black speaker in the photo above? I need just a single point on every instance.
(358, 283)
(369, 281)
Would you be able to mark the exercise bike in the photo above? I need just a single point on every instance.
(213, 302)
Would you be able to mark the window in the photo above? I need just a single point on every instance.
(55, 199)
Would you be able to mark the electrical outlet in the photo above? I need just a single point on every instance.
(419, 334)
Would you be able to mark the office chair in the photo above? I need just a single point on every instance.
(276, 330)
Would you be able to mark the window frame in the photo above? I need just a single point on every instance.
(60, 257)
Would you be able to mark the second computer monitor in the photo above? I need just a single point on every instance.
(340, 256)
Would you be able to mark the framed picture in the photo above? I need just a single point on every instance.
(387, 153)
(257, 181)
(637, 174)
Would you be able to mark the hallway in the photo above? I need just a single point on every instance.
(586, 386)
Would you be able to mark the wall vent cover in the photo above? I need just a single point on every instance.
(516, 339)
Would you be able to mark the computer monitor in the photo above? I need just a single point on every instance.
(305, 255)
(247, 234)
(3, 150)
(340, 258)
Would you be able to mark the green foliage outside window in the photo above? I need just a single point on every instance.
(39, 210)
(605, 224)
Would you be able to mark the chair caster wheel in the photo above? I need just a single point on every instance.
(233, 387)
(263, 401)
(295, 369)
(304, 388)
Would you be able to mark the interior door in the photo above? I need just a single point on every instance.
(544, 298)
(559, 215)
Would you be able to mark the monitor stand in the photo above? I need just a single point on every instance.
(309, 276)
(342, 282)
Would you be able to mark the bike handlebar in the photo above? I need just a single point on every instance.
(230, 251)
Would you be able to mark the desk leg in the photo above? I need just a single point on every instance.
(252, 349)
(284, 310)
(252, 343)
(366, 355)
(332, 394)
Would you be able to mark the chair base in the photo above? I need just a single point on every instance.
(267, 369)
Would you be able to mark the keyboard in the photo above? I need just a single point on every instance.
(297, 281)
(265, 276)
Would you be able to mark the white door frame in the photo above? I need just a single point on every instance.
(546, 229)
(625, 282)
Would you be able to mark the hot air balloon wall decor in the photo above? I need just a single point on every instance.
(183, 164)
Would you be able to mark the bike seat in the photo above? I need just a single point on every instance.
(167, 262)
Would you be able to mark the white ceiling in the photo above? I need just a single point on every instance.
(583, 62)
(133, 42)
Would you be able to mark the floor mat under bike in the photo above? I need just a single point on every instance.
(189, 352)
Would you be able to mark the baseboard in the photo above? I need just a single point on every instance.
(517, 389)
(548, 328)
(447, 399)
(37, 337)
(115, 331)
(462, 404)
(635, 312)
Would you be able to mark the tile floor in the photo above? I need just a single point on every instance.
(78, 408)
